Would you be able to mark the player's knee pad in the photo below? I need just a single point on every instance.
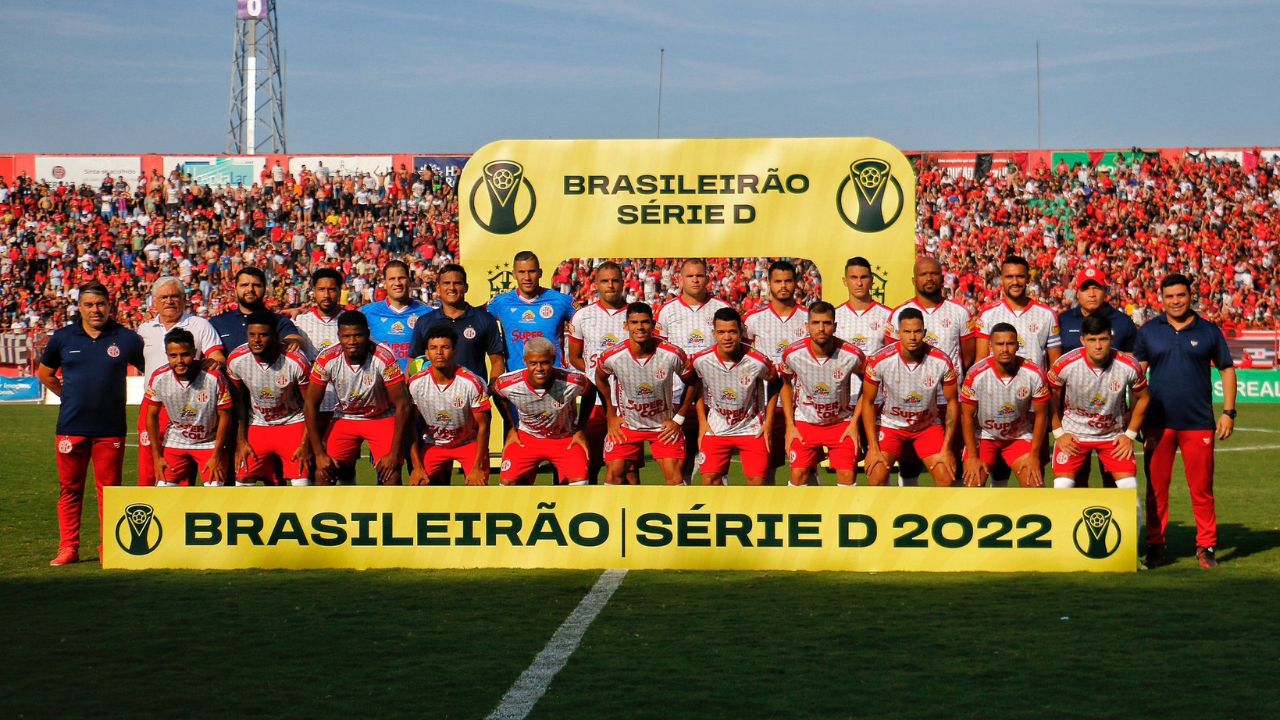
(1063, 482)
(1129, 483)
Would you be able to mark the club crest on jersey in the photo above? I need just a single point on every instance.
(1033, 327)
(412, 319)
(746, 380)
(644, 391)
(1116, 385)
(945, 322)
(366, 382)
(469, 333)
(875, 326)
(837, 374)
(113, 350)
(930, 380)
(913, 399)
(660, 374)
(527, 316)
(728, 395)
(202, 397)
(64, 446)
(443, 416)
(282, 381)
(1023, 392)
(821, 390)
(546, 311)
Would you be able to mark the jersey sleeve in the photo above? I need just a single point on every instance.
(1055, 373)
(320, 372)
(231, 375)
(1040, 390)
(978, 328)
(224, 393)
(971, 324)
(872, 374)
(150, 392)
(1055, 331)
(950, 376)
(1221, 353)
(392, 374)
(52, 355)
(1140, 346)
(207, 339)
(968, 394)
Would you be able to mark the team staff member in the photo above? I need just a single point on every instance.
(251, 288)
(94, 354)
(478, 335)
(530, 311)
(453, 405)
(735, 404)
(1091, 296)
(1004, 412)
(862, 320)
(770, 330)
(391, 321)
(1177, 348)
(199, 406)
(169, 301)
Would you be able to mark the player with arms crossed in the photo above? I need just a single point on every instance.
(550, 425)
(453, 403)
(772, 329)
(373, 406)
(822, 399)
(271, 430)
(733, 410)
(636, 382)
(593, 331)
(862, 320)
(907, 378)
(1090, 409)
(1003, 412)
(199, 406)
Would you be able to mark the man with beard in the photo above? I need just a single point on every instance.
(319, 325)
(771, 330)
(251, 289)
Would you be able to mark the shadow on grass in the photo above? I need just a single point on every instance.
(1235, 541)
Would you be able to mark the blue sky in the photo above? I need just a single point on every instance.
(417, 76)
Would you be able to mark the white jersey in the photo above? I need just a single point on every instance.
(361, 389)
(319, 333)
(1095, 406)
(597, 328)
(826, 389)
(643, 390)
(1037, 327)
(192, 406)
(734, 394)
(864, 328)
(770, 333)
(909, 393)
(448, 411)
(154, 355)
(1005, 405)
(275, 390)
(945, 326)
(549, 413)
(686, 326)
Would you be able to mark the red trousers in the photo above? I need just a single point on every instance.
(74, 453)
(1197, 462)
(146, 466)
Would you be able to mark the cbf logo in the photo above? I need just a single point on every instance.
(500, 279)
(1093, 534)
(139, 531)
(508, 209)
(875, 193)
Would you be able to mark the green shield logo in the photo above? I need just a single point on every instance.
(139, 531)
(1097, 534)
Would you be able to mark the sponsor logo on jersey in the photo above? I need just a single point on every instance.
(913, 399)
(931, 337)
(443, 416)
(859, 340)
(608, 341)
(697, 338)
(187, 411)
(644, 391)
(1007, 410)
(728, 395)
(527, 316)
(266, 395)
(1098, 401)
(397, 327)
(821, 390)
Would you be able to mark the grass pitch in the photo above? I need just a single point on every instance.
(1176, 642)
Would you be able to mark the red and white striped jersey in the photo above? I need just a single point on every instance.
(1095, 400)
(644, 389)
(361, 389)
(549, 413)
(826, 389)
(1005, 405)
(734, 393)
(320, 332)
(945, 326)
(909, 394)
(597, 328)
(688, 327)
(192, 406)
(275, 390)
(770, 333)
(448, 411)
(1037, 328)
(864, 328)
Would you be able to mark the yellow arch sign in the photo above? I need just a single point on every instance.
(823, 199)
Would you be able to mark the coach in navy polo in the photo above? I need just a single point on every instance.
(94, 354)
(478, 334)
(251, 287)
(1091, 297)
(1178, 348)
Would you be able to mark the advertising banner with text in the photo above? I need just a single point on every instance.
(87, 169)
(1258, 387)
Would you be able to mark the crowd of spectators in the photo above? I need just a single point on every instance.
(1146, 217)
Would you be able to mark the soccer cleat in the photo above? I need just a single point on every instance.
(1155, 556)
(66, 556)
(1206, 557)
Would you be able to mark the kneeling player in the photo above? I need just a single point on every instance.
(272, 429)
(1090, 409)
(1003, 412)
(453, 404)
(906, 378)
(733, 412)
(639, 403)
(543, 399)
(199, 406)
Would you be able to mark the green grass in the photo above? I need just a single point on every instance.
(1176, 642)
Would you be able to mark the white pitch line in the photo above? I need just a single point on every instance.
(534, 681)
(1261, 430)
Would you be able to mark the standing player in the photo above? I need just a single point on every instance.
(530, 311)
(733, 410)
(391, 320)
(550, 418)
(772, 329)
(270, 384)
(862, 320)
(94, 354)
(479, 337)
(199, 406)
(1034, 322)
(1003, 412)
(319, 326)
(1178, 347)
(822, 398)
(1090, 410)
(373, 406)
(903, 384)
(593, 331)
(635, 381)
(453, 404)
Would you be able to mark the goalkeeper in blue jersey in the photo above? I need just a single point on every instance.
(391, 320)
(530, 311)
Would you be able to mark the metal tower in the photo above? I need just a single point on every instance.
(256, 111)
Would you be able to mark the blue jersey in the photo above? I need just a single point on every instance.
(1178, 363)
(521, 320)
(394, 328)
(93, 377)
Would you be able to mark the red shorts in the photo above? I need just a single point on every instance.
(146, 469)
(274, 445)
(713, 458)
(186, 464)
(520, 462)
(633, 447)
(927, 442)
(439, 460)
(806, 452)
(1011, 451)
(1065, 465)
(345, 436)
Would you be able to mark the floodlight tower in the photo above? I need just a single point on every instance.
(257, 82)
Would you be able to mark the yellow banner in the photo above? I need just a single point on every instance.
(823, 199)
(683, 528)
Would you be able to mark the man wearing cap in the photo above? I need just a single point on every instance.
(1091, 294)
